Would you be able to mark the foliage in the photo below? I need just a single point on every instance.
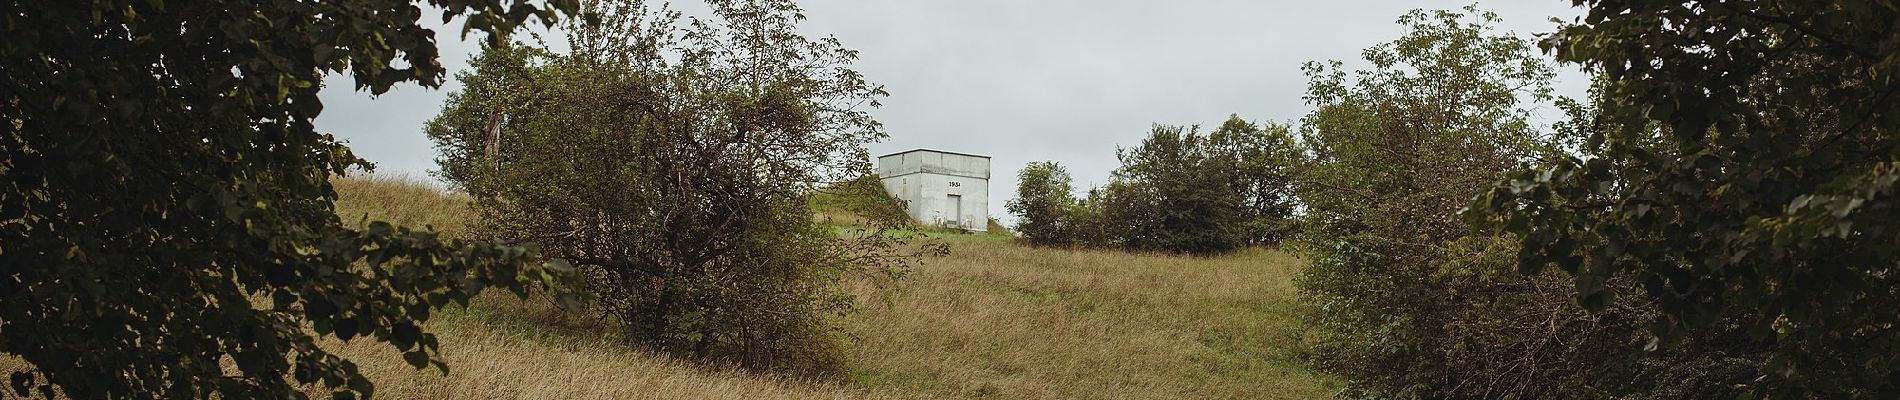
(1186, 192)
(864, 197)
(165, 204)
(1178, 202)
(1178, 191)
(1260, 164)
(672, 160)
(1741, 168)
(1042, 204)
(1409, 302)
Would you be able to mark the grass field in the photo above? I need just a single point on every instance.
(991, 320)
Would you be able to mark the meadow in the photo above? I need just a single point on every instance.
(993, 319)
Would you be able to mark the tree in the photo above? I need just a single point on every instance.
(1742, 168)
(672, 161)
(1409, 301)
(1043, 204)
(1178, 191)
(166, 221)
(1183, 205)
(1260, 163)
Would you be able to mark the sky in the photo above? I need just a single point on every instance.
(1068, 81)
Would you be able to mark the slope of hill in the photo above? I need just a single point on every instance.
(992, 320)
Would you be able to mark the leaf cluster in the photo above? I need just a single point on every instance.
(166, 215)
(1740, 167)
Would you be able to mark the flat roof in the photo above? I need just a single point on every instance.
(932, 150)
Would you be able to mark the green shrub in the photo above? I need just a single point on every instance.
(1043, 201)
(1179, 191)
(1408, 301)
(677, 179)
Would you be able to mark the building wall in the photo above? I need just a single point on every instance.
(926, 179)
(926, 161)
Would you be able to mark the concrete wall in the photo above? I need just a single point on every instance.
(927, 179)
(927, 161)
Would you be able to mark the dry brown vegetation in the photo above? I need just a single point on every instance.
(995, 319)
(992, 320)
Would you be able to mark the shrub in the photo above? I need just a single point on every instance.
(1043, 203)
(1408, 301)
(1178, 191)
(673, 162)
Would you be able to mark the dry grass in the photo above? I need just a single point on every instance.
(997, 320)
(402, 200)
(992, 320)
(504, 348)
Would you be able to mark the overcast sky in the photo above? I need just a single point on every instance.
(1060, 80)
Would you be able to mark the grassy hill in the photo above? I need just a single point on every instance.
(991, 320)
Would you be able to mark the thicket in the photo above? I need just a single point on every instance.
(1410, 301)
(1179, 191)
(1754, 218)
(672, 159)
(166, 213)
(1739, 169)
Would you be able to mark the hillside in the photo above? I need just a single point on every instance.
(991, 320)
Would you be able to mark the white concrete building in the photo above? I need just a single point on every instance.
(942, 188)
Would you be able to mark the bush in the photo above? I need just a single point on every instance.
(1178, 191)
(678, 179)
(1172, 198)
(1043, 203)
(1408, 301)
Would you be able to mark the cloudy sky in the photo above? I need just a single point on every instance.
(1059, 80)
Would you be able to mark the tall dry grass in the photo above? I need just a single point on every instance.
(998, 320)
(992, 320)
(402, 200)
(505, 348)
(501, 347)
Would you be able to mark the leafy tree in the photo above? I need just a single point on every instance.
(672, 160)
(1260, 164)
(1741, 168)
(1178, 191)
(166, 222)
(1410, 302)
(1179, 194)
(1043, 204)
